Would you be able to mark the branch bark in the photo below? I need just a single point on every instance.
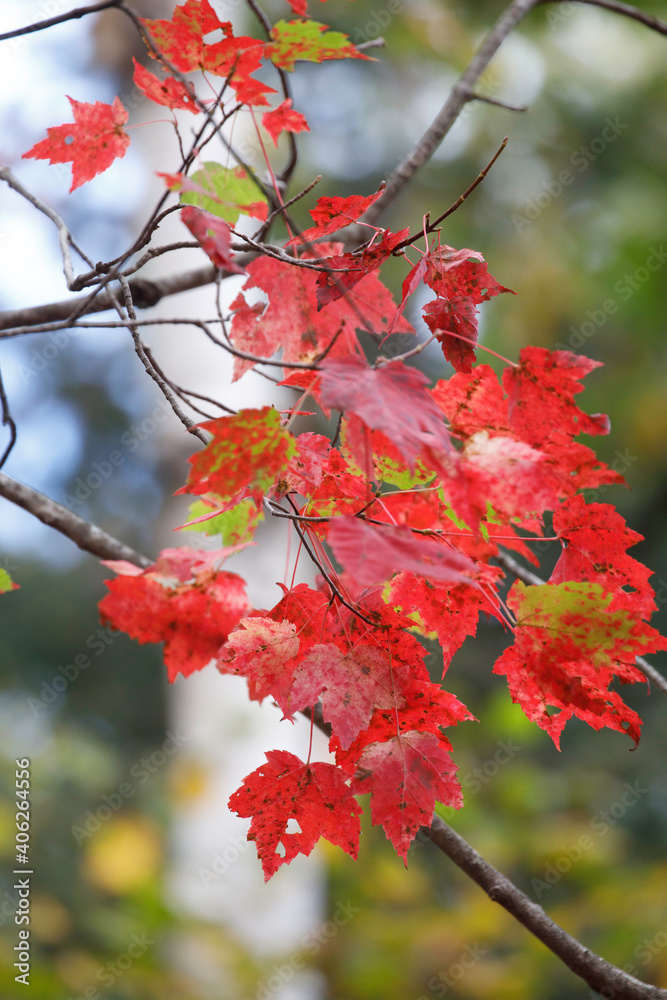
(599, 974)
(85, 535)
(50, 22)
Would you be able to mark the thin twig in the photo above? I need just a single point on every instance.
(7, 421)
(476, 96)
(463, 91)
(64, 236)
(60, 19)
(87, 536)
(626, 10)
(432, 226)
(165, 389)
(263, 230)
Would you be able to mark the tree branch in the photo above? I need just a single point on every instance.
(87, 536)
(463, 91)
(60, 19)
(64, 236)
(145, 294)
(599, 974)
(7, 421)
(626, 10)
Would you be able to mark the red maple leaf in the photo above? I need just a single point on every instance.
(341, 491)
(332, 285)
(427, 709)
(214, 237)
(248, 452)
(372, 553)
(450, 610)
(305, 471)
(291, 320)
(315, 795)
(445, 317)
(541, 391)
(91, 143)
(307, 610)
(569, 645)
(264, 652)
(508, 474)
(332, 214)
(406, 776)
(461, 285)
(595, 538)
(284, 119)
(170, 92)
(183, 600)
(473, 402)
(350, 684)
(391, 398)
(181, 41)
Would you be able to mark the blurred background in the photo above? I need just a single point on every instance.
(572, 218)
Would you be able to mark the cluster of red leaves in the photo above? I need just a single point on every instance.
(412, 507)
(403, 518)
(96, 137)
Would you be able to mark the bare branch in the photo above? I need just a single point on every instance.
(626, 10)
(600, 975)
(165, 389)
(145, 294)
(87, 536)
(498, 102)
(7, 421)
(463, 91)
(60, 19)
(64, 235)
